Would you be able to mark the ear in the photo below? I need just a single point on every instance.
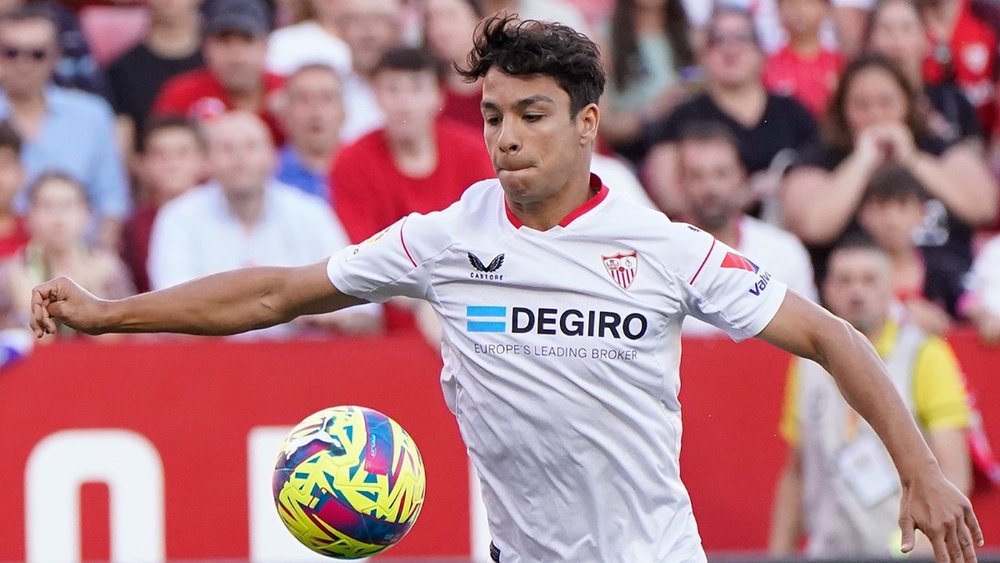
(587, 122)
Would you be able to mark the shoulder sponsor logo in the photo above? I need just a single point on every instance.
(486, 271)
(735, 261)
(761, 284)
(622, 267)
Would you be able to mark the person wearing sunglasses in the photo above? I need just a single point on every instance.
(66, 130)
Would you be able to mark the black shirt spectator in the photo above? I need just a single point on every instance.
(135, 78)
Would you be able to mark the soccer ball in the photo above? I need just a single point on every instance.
(349, 482)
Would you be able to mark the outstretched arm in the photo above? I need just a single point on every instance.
(220, 304)
(929, 502)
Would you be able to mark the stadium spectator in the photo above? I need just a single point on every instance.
(838, 488)
(417, 162)
(312, 113)
(715, 184)
(892, 212)
(234, 76)
(171, 161)
(650, 60)
(57, 221)
(313, 40)
(172, 46)
(964, 50)
(244, 217)
(449, 27)
(764, 124)
(897, 31)
(13, 235)
(874, 119)
(76, 67)
(804, 68)
(982, 302)
(370, 28)
(62, 129)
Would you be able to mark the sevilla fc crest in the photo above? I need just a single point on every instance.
(622, 267)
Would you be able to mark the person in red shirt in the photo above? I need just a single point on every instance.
(418, 162)
(804, 69)
(13, 235)
(964, 49)
(233, 77)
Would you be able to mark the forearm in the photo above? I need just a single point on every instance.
(862, 379)
(819, 206)
(964, 186)
(221, 304)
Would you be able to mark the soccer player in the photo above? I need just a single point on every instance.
(561, 305)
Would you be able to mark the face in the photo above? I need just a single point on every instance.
(449, 26)
(712, 180)
(898, 32)
(535, 144)
(28, 55)
(370, 28)
(240, 153)
(11, 176)
(731, 58)
(236, 60)
(410, 101)
(314, 108)
(858, 287)
(58, 215)
(325, 10)
(802, 17)
(874, 98)
(892, 222)
(173, 163)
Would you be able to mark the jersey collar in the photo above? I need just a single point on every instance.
(599, 193)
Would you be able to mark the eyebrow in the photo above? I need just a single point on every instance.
(522, 103)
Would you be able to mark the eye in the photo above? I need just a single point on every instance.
(532, 117)
(492, 120)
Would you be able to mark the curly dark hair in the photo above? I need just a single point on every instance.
(520, 48)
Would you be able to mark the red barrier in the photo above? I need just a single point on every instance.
(196, 402)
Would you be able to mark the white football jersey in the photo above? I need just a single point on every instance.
(561, 352)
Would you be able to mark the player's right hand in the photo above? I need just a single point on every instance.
(61, 300)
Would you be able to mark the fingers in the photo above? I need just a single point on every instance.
(940, 546)
(906, 526)
(965, 541)
(41, 322)
(973, 523)
(952, 542)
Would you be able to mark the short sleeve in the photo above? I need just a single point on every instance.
(729, 290)
(397, 261)
(939, 393)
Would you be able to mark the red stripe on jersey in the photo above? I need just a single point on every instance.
(735, 261)
(596, 186)
(403, 242)
(709, 253)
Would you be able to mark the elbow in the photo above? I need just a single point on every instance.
(830, 336)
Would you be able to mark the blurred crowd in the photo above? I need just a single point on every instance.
(145, 144)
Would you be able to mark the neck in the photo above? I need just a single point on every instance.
(744, 102)
(729, 233)
(246, 206)
(494, 6)
(249, 100)
(901, 257)
(548, 213)
(58, 258)
(26, 101)
(806, 45)
(403, 146)
(176, 37)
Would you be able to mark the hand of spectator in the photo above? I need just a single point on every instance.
(989, 327)
(929, 316)
(63, 301)
(869, 148)
(899, 140)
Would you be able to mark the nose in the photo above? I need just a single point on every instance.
(508, 141)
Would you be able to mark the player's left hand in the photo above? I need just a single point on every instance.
(941, 511)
